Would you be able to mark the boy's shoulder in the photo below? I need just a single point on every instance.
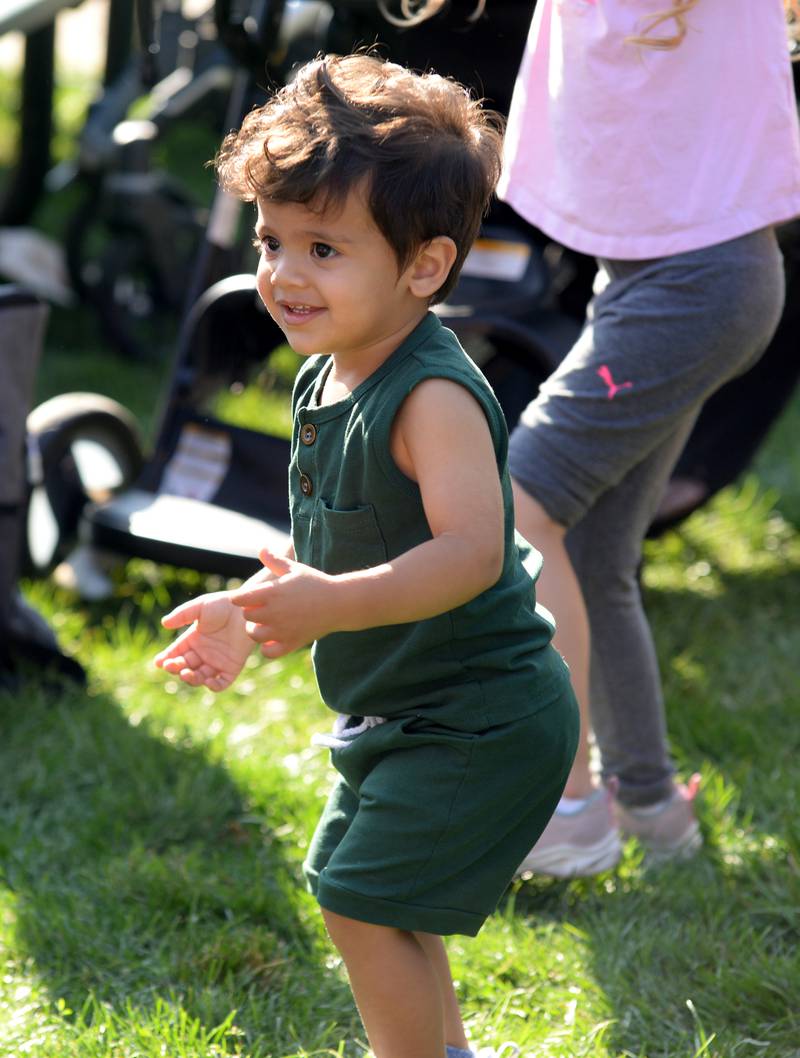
(437, 350)
(442, 355)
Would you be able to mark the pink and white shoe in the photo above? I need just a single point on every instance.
(576, 844)
(668, 829)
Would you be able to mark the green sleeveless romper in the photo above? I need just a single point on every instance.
(455, 734)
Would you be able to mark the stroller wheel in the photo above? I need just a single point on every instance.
(83, 448)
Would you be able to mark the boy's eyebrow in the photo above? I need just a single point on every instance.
(262, 227)
(323, 236)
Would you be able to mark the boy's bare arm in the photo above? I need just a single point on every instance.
(442, 440)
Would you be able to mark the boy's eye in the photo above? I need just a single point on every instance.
(323, 251)
(266, 244)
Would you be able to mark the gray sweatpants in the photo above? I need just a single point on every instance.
(597, 446)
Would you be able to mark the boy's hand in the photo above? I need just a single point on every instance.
(212, 652)
(291, 609)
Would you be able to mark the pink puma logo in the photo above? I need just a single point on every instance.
(604, 371)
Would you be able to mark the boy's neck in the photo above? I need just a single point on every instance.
(350, 369)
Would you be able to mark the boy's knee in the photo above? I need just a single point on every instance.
(349, 932)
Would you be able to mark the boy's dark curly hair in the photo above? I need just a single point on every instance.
(426, 154)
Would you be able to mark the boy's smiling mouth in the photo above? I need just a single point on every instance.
(298, 312)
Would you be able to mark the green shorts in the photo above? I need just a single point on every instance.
(428, 823)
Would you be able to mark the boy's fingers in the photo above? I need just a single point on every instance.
(273, 649)
(259, 633)
(182, 615)
(274, 563)
(248, 597)
(174, 665)
(192, 677)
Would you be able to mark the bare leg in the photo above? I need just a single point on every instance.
(558, 590)
(396, 978)
(434, 948)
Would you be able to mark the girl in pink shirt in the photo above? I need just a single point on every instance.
(663, 141)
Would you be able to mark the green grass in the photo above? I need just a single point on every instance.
(151, 836)
(151, 900)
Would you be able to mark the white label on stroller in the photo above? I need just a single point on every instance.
(199, 463)
(497, 259)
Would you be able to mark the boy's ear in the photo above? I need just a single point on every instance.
(431, 267)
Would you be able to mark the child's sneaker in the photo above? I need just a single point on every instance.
(578, 843)
(668, 829)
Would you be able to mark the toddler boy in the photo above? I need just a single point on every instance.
(456, 725)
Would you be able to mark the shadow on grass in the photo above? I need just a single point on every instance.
(139, 872)
(684, 952)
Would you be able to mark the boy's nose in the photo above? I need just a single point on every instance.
(286, 273)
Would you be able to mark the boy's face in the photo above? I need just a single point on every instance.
(331, 282)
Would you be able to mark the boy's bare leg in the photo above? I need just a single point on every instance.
(434, 948)
(558, 590)
(397, 987)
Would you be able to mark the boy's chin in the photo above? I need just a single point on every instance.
(305, 348)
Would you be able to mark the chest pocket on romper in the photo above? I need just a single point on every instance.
(343, 541)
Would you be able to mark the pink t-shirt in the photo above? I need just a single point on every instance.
(630, 152)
